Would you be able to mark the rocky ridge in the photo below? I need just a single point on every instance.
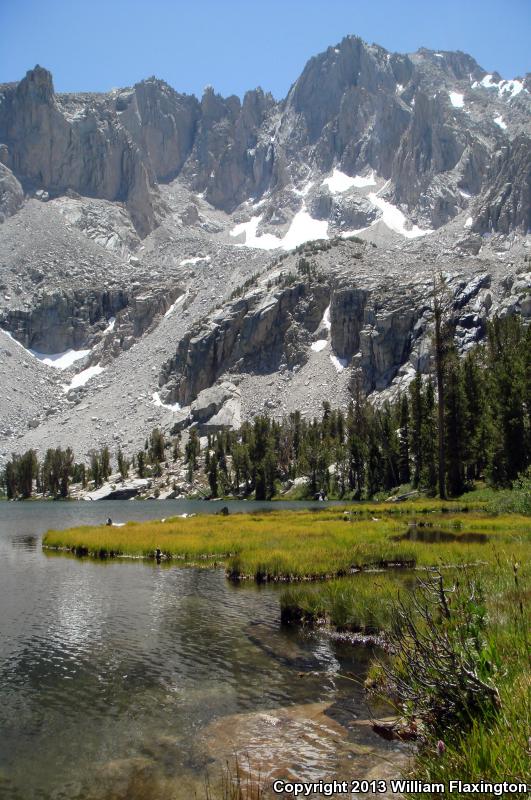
(153, 265)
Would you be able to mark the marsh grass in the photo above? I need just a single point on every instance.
(362, 603)
(305, 545)
(332, 543)
(235, 783)
(495, 747)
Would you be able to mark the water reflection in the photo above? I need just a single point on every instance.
(111, 673)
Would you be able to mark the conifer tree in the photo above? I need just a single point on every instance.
(105, 462)
(417, 419)
(455, 430)
(213, 475)
(403, 464)
(428, 439)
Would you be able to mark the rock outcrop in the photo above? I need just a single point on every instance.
(430, 123)
(82, 147)
(507, 203)
(254, 333)
(11, 193)
(73, 319)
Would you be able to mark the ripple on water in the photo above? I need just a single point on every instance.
(110, 674)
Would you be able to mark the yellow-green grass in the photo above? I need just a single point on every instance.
(364, 602)
(295, 545)
(496, 749)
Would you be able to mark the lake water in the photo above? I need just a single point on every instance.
(131, 681)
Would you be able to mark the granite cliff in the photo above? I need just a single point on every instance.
(156, 256)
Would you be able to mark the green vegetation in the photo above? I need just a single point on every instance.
(457, 663)
(297, 545)
(479, 430)
(460, 673)
(363, 603)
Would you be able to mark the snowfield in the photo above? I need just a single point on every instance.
(504, 88)
(501, 122)
(303, 229)
(158, 402)
(395, 219)
(339, 363)
(457, 100)
(59, 360)
(174, 305)
(83, 377)
(339, 182)
(189, 262)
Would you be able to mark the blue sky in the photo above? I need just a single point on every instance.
(239, 44)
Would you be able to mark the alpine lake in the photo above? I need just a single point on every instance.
(131, 680)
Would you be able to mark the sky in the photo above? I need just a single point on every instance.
(235, 45)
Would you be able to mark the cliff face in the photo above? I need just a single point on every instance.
(507, 202)
(67, 319)
(430, 123)
(256, 332)
(85, 150)
(130, 221)
(11, 193)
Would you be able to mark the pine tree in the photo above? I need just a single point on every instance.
(27, 468)
(428, 440)
(123, 463)
(390, 447)
(403, 463)
(417, 418)
(442, 336)
(156, 446)
(508, 383)
(192, 451)
(477, 419)
(96, 473)
(105, 462)
(455, 431)
(213, 475)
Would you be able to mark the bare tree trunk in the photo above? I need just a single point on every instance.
(439, 371)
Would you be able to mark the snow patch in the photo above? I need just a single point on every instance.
(488, 83)
(325, 322)
(174, 305)
(457, 100)
(60, 360)
(304, 191)
(501, 122)
(158, 402)
(468, 223)
(511, 88)
(197, 260)
(395, 219)
(265, 242)
(339, 363)
(339, 182)
(303, 229)
(466, 195)
(110, 326)
(319, 345)
(83, 377)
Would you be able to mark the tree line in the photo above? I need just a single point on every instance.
(470, 420)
